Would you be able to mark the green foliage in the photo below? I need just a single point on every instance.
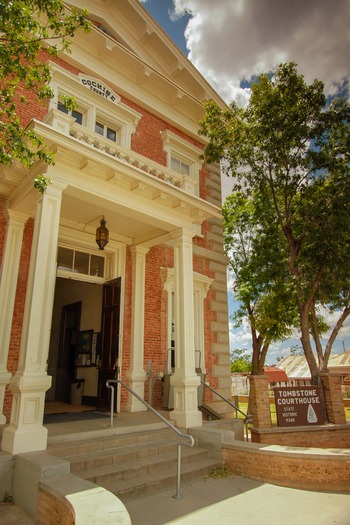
(7, 498)
(260, 281)
(287, 226)
(30, 32)
(41, 183)
(220, 472)
(241, 361)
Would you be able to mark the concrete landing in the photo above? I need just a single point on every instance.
(236, 500)
(13, 515)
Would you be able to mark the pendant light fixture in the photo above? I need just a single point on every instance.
(102, 234)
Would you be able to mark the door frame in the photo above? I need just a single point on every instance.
(100, 402)
(65, 360)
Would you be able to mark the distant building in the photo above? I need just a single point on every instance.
(296, 368)
(298, 372)
(276, 376)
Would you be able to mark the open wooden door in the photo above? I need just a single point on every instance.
(110, 333)
(70, 326)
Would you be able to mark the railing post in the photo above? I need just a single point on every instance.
(108, 385)
(237, 409)
(178, 475)
(181, 434)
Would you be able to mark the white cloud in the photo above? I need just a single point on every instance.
(232, 40)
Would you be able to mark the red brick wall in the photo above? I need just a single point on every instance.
(326, 437)
(52, 511)
(290, 468)
(18, 312)
(147, 140)
(3, 223)
(155, 347)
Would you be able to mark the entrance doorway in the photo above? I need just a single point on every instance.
(77, 310)
(70, 326)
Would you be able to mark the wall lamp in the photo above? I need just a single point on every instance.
(102, 234)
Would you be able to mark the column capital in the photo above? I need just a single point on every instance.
(17, 216)
(183, 234)
(138, 250)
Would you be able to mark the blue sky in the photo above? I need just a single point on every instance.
(231, 41)
(163, 12)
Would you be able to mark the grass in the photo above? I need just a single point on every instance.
(220, 472)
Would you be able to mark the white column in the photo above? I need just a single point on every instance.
(26, 432)
(9, 275)
(136, 375)
(185, 380)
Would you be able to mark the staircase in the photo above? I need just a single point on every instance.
(134, 465)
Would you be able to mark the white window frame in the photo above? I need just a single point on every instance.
(114, 254)
(70, 274)
(116, 115)
(201, 285)
(108, 125)
(182, 150)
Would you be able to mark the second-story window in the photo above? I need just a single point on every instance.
(106, 131)
(74, 113)
(99, 108)
(180, 166)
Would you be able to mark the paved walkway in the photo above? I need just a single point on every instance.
(13, 515)
(225, 501)
(236, 500)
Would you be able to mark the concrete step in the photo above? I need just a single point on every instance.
(132, 469)
(131, 465)
(86, 446)
(117, 456)
(156, 481)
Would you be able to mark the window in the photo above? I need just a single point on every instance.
(100, 109)
(180, 166)
(75, 261)
(106, 131)
(183, 157)
(74, 113)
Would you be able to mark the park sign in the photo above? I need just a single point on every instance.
(298, 406)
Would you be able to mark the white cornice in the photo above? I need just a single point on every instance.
(144, 65)
(127, 178)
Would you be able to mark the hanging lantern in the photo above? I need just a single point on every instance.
(102, 234)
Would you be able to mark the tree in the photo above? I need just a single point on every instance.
(259, 280)
(290, 151)
(240, 361)
(30, 32)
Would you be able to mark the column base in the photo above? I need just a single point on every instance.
(4, 380)
(186, 413)
(186, 419)
(136, 380)
(17, 441)
(26, 432)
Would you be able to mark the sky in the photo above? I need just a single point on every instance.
(232, 41)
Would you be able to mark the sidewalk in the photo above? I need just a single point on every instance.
(236, 500)
(225, 501)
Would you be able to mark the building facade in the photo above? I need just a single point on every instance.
(153, 302)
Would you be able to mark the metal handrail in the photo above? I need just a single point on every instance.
(170, 425)
(247, 417)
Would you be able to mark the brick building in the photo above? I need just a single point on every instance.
(155, 296)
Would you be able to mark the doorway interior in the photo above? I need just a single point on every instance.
(77, 309)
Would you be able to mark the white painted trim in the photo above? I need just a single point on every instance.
(93, 106)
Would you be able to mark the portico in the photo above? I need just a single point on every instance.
(142, 212)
